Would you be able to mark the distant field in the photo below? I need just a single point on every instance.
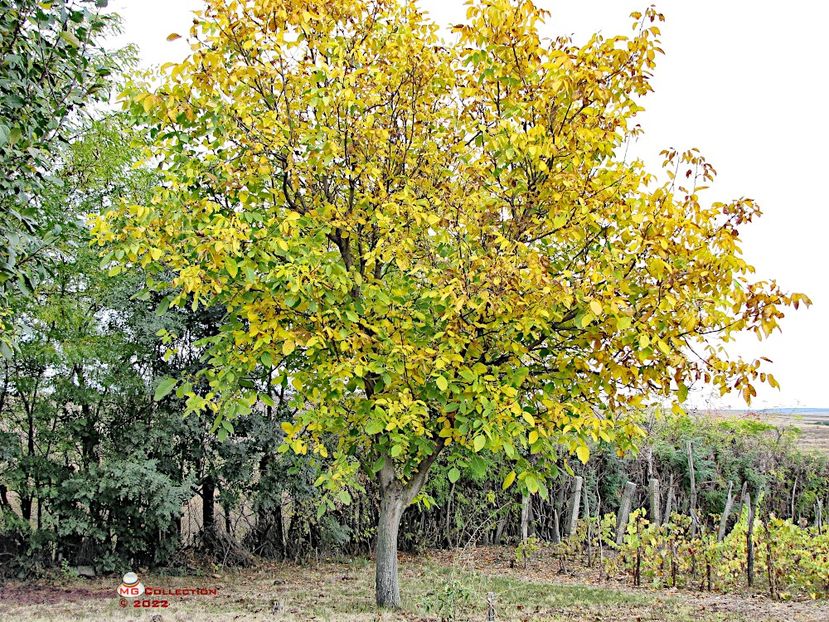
(812, 422)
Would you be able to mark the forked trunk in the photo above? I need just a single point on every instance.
(395, 496)
(387, 585)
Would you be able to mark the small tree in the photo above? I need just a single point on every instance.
(434, 243)
(52, 65)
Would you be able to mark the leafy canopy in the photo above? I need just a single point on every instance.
(52, 65)
(435, 242)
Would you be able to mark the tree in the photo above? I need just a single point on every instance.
(52, 65)
(83, 440)
(435, 243)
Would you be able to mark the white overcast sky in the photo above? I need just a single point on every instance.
(745, 81)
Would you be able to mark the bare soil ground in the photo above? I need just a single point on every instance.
(450, 585)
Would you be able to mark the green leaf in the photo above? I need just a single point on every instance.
(163, 306)
(70, 38)
(442, 383)
(374, 427)
(164, 387)
(479, 442)
(454, 475)
(344, 496)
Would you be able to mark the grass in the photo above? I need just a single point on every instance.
(343, 592)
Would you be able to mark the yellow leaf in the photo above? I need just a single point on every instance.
(596, 307)
(508, 480)
(231, 267)
(288, 346)
(583, 452)
(533, 437)
(173, 36)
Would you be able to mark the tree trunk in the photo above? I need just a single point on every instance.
(395, 497)
(574, 506)
(624, 511)
(448, 523)
(499, 529)
(525, 517)
(208, 510)
(26, 507)
(726, 511)
(588, 522)
(387, 586)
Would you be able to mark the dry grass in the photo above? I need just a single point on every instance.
(434, 586)
(813, 427)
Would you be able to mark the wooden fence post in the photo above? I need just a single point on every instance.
(794, 490)
(669, 501)
(624, 511)
(693, 499)
(726, 511)
(752, 510)
(743, 494)
(589, 524)
(770, 559)
(655, 509)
